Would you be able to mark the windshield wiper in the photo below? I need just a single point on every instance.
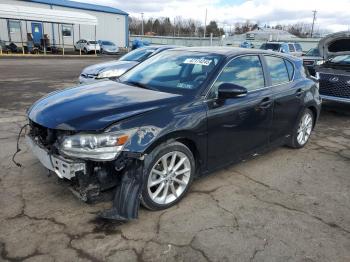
(114, 78)
(138, 84)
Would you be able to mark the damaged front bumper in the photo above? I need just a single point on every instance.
(90, 180)
(63, 167)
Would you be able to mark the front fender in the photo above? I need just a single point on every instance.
(180, 122)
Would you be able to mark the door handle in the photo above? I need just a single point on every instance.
(299, 92)
(265, 103)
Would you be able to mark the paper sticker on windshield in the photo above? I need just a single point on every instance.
(197, 61)
(185, 86)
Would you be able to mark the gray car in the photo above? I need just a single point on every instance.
(117, 68)
(108, 47)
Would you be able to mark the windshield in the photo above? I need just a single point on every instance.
(313, 52)
(268, 46)
(340, 60)
(138, 55)
(106, 43)
(92, 42)
(173, 71)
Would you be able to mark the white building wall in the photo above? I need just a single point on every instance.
(110, 27)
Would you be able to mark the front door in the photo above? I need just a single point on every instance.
(239, 126)
(37, 33)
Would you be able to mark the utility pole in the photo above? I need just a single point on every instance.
(205, 22)
(313, 22)
(142, 32)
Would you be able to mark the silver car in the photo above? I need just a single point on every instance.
(117, 68)
(108, 47)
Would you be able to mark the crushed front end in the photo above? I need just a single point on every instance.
(92, 164)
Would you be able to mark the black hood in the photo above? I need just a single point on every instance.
(95, 106)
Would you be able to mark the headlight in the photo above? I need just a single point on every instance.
(109, 73)
(319, 62)
(99, 147)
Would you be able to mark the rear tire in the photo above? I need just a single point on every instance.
(169, 174)
(302, 130)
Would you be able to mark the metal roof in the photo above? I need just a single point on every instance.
(46, 15)
(81, 5)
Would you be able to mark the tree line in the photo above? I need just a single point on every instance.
(300, 29)
(164, 26)
(178, 26)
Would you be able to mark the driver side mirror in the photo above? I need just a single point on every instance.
(228, 90)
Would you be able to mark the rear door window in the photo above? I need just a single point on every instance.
(278, 70)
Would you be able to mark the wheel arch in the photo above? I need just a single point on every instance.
(184, 137)
(314, 112)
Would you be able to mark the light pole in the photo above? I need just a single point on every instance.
(313, 22)
(205, 22)
(142, 32)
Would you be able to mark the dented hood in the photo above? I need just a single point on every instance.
(95, 106)
(335, 44)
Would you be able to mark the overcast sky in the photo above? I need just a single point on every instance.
(332, 15)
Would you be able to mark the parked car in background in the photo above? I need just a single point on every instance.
(87, 46)
(116, 68)
(334, 73)
(108, 47)
(311, 59)
(246, 44)
(179, 114)
(283, 47)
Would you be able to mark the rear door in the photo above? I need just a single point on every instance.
(238, 126)
(286, 94)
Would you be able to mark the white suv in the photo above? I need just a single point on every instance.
(87, 46)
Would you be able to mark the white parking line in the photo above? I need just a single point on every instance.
(12, 119)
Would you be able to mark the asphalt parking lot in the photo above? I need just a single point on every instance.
(285, 205)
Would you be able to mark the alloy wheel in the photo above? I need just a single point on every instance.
(169, 177)
(305, 128)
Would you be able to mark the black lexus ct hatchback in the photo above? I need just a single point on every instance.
(180, 114)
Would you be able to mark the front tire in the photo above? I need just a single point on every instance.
(169, 174)
(303, 129)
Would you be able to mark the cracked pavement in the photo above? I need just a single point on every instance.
(285, 205)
